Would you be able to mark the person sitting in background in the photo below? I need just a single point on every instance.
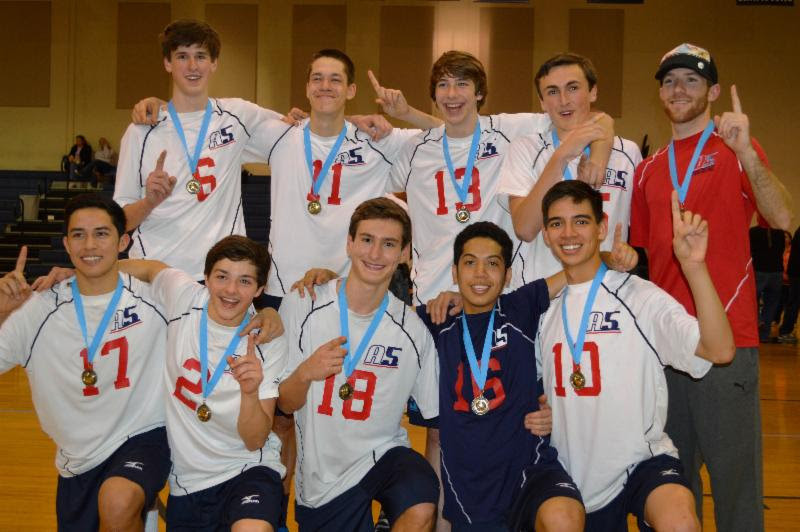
(78, 157)
(104, 163)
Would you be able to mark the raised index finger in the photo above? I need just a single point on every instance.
(375, 84)
(618, 234)
(737, 105)
(21, 258)
(160, 161)
(676, 210)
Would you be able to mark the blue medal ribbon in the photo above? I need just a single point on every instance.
(352, 357)
(316, 184)
(463, 189)
(576, 347)
(209, 386)
(683, 188)
(479, 371)
(567, 173)
(91, 349)
(201, 136)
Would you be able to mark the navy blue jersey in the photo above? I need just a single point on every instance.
(483, 457)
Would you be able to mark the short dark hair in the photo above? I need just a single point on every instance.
(333, 53)
(238, 248)
(488, 230)
(186, 32)
(381, 209)
(460, 65)
(566, 59)
(578, 191)
(96, 201)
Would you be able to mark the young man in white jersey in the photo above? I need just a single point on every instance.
(179, 180)
(321, 171)
(602, 346)
(349, 399)
(93, 349)
(431, 170)
(221, 392)
(567, 87)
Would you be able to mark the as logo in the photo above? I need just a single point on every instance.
(124, 318)
(382, 357)
(603, 322)
(350, 157)
(220, 138)
(487, 150)
(705, 163)
(616, 179)
(500, 338)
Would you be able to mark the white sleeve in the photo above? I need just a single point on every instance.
(517, 175)
(521, 124)
(290, 310)
(392, 145)
(264, 135)
(675, 335)
(401, 166)
(265, 127)
(175, 290)
(127, 188)
(273, 366)
(16, 334)
(426, 388)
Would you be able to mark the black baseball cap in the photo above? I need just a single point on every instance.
(688, 56)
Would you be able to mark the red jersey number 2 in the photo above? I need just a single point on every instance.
(474, 189)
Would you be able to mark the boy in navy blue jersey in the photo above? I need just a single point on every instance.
(496, 475)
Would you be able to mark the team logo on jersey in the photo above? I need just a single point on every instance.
(487, 150)
(603, 322)
(669, 473)
(382, 357)
(135, 465)
(616, 179)
(250, 499)
(124, 318)
(350, 157)
(500, 337)
(222, 137)
(705, 163)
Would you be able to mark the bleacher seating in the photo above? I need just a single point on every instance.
(44, 236)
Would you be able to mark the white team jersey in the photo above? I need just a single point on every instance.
(207, 454)
(300, 240)
(422, 173)
(338, 441)
(526, 160)
(617, 421)
(184, 226)
(89, 423)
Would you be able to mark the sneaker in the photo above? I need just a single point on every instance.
(787, 339)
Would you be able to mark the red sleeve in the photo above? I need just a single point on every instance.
(640, 217)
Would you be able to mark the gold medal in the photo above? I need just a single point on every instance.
(577, 380)
(89, 377)
(314, 207)
(462, 215)
(480, 405)
(203, 413)
(345, 391)
(193, 186)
